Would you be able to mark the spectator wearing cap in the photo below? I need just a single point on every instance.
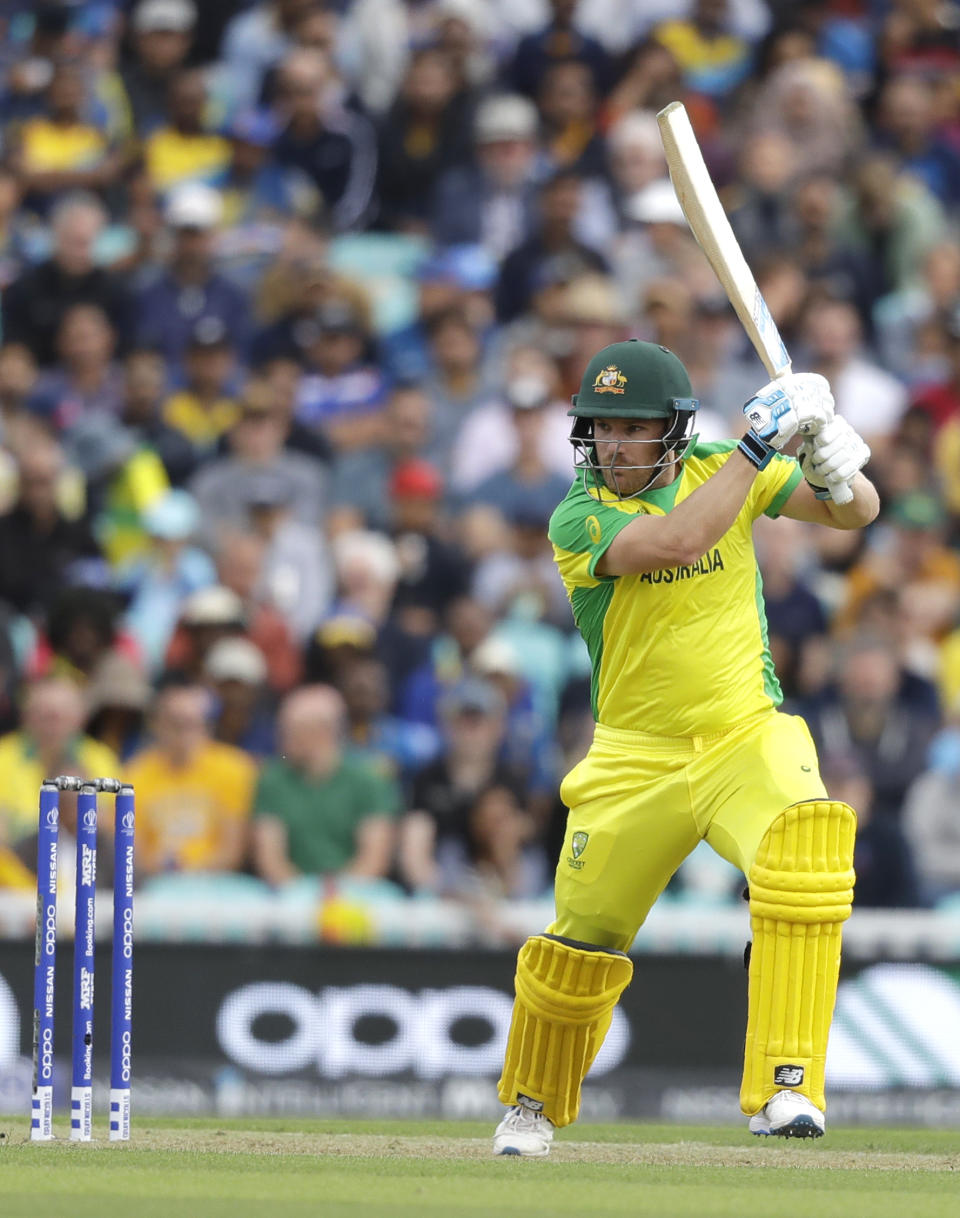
(472, 718)
(433, 571)
(86, 380)
(185, 148)
(333, 146)
(399, 748)
(519, 578)
(492, 202)
(208, 615)
(190, 289)
(60, 149)
(116, 702)
(420, 138)
(39, 541)
(161, 36)
(656, 244)
(50, 740)
(34, 304)
(170, 571)
(206, 407)
(254, 449)
(361, 477)
(455, 278)
(193, 793)
(256, 191)
(558, 205)
(530, 745)
(235, 671)
(561, 39)
(340, 642)
(296, 571)
(342, 390)
(319, 810)
(517, 447)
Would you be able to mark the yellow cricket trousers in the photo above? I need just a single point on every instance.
(639, 804)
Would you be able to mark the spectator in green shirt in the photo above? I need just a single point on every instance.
(318, 810)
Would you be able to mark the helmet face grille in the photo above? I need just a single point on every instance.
(675, 442)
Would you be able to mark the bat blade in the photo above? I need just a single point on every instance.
(708, 222)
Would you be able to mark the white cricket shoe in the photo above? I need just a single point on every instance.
(523, 1132)
(789, 1115)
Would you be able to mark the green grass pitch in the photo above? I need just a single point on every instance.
(401, 1169)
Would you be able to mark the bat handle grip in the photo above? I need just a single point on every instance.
(840, 492)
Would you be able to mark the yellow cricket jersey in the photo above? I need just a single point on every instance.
(202, 425)
(681, 651)
(49, 147)
(173, 158)
(22, 772)
(182, 812)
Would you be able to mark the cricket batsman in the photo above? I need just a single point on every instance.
(654, 544)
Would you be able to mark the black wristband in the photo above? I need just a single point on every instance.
(758, 452)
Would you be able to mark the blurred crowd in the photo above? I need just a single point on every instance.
(293, 295)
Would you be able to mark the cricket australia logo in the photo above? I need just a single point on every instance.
(609, 380)
(578, 843)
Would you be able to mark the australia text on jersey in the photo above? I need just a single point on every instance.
(710, 562)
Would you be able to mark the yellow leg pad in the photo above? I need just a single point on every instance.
(565, 999)
(801, 891)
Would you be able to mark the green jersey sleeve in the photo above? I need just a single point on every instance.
(581, 529)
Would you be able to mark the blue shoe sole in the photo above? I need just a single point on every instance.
(801, 1127)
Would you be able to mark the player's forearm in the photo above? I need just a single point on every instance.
(651, 543)
(860, 511)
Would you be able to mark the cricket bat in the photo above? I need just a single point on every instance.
(708, 222)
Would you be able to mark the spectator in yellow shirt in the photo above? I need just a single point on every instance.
(205, 408)
(59, 149)
(50, 742)
(185, 149)
(193, 794)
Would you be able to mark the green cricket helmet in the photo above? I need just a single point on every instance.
(632, 380)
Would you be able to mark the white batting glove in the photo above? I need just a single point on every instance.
(833, 457)
(772, 416)
(810, 396)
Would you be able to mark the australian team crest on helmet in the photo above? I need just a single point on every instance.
(609, 380)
